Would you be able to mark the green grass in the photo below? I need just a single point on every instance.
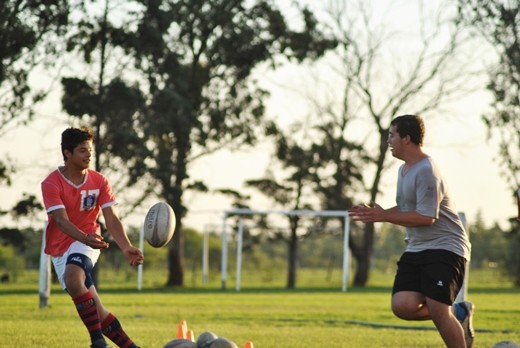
(272, 317)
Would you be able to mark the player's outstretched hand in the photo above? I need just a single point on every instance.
(95, 241)
(134, 255)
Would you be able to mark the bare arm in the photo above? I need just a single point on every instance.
(375, 213)
(62, 220)
(118, 233)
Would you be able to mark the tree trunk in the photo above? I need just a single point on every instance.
(364, 256)
(176, 257)
(173, 194)
(293, 258)
(364, 252)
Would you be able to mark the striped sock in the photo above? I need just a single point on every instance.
(113, 330)
(86, 307)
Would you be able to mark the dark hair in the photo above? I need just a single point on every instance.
(411, 125)
(72, 137)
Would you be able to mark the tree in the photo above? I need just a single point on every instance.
(513, 261)
(102, 100)
(30, 32)
(368, 81)
(289, 192)
(196, 58)
(27, 28)
(489, 246)
(323, 167)
(20, 242)
(498, 22)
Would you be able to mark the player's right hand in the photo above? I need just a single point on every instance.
(95, 241)
(372, 212)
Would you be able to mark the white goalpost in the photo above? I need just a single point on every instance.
(44, 273)
(244, 212)
(140, 267)
(463, 293)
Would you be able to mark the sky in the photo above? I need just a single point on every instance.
(457, 143)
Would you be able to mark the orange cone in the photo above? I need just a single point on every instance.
(190, 335)
(249, 344)
(182, 329)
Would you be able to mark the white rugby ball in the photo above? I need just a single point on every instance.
(159, 224)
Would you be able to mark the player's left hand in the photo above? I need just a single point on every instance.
(134, 255)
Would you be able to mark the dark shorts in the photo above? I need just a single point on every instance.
(84, 262)
(437, 274)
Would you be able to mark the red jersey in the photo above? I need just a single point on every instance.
(82, 202)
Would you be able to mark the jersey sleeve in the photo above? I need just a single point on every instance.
(428, 192)
(51, 195)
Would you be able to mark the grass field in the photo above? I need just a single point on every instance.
(271, 317)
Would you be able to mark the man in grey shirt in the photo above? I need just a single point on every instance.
(431, 270)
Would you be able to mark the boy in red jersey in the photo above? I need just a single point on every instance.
(73, 196)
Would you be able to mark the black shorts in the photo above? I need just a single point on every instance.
(437, 274)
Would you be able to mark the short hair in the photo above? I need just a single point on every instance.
(72, 137)
(411, 125)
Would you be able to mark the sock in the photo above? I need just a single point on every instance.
(86, 307)
(459, 311)
(113, 330)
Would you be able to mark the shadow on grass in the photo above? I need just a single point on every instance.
(247, 290)
(25, 290)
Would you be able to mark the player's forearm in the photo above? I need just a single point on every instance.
(407, 219)
(70, 229)
(117, 232)
(115, 228)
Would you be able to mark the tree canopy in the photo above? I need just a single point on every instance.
(499, 23)
(26, 29)
(190, 79)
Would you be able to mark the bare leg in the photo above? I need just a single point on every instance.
(74, 278)
(449, 327)
(410, 305)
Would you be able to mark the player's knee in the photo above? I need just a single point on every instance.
(73, 284)
(74, 279)
(400, 311)
(404, 310)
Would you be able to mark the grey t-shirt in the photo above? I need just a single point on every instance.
(423, 189)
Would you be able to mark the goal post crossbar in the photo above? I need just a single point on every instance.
(246, 212)
(332, 213)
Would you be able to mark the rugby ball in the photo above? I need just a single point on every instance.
(159, 224)
(181, 343)
(222, 342)
(204, 340)
(506, 344)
